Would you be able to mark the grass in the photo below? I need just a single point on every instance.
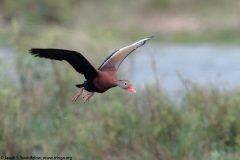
(130, 21)
(223, 37)
(39, 117)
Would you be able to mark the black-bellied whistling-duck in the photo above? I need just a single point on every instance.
(99, 80)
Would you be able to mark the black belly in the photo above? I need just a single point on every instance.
(90, 87)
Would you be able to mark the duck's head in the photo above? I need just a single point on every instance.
(126, 85)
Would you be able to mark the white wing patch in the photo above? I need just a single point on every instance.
(116, 58)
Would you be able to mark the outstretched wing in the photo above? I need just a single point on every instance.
(116, 58)
(75, 59)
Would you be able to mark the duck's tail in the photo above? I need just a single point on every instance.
(79, 85)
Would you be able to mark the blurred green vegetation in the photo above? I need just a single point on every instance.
(185, 21)
(41, 116)
(53, 11)
(37, 116)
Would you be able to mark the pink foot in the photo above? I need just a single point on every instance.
(78, 94)
(88, 96)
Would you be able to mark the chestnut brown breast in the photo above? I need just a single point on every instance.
(105, 80)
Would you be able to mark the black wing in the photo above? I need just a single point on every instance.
(75, 59)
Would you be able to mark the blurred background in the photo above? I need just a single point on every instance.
(187, 103)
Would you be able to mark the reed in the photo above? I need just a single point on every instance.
(38, 116)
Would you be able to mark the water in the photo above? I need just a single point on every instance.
(198, 63)
(217, 64)
(7, 65)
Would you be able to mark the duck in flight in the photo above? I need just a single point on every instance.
(97, 80)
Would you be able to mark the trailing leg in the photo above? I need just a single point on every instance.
(88, 96)
(79, 93)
